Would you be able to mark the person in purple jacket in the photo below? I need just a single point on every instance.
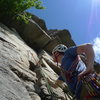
(72, 67)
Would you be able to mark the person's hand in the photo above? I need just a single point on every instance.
(80, 76)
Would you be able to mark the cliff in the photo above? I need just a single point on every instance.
(26, 61)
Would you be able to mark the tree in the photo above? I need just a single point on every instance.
(13, 8)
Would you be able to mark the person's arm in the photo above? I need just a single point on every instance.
(55, 84)
(89, 52)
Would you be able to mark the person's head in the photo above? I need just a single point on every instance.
(58, 52)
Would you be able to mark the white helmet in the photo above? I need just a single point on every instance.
(59, 48)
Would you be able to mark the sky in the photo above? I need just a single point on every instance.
(80, 17)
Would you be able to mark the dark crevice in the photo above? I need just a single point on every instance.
(32, 66)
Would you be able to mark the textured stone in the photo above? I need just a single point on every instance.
(14, 66)
(23, 70)
(63, 35)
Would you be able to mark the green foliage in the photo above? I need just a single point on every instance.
(14, 8)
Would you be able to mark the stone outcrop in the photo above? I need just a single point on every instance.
(24, 69)
(14, 66)
(23, 72)
(63, 35)
(37, 36)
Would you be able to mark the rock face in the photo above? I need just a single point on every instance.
(14, 66)
(23, 72)
(63, 35)
(37, 36)
(24, 69)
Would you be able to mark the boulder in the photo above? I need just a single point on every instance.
(35, 36)
(40, 22)
(58, 37)
(64, 36)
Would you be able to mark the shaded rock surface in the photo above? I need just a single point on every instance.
(63, 35)
(37, 36)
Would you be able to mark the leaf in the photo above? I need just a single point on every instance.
(13, 8)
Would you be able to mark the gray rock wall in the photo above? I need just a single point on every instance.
(38, 37)
(14, 66)
(23, 72)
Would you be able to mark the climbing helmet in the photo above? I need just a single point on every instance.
(59, 48)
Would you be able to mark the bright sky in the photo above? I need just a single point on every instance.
(80, 17)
